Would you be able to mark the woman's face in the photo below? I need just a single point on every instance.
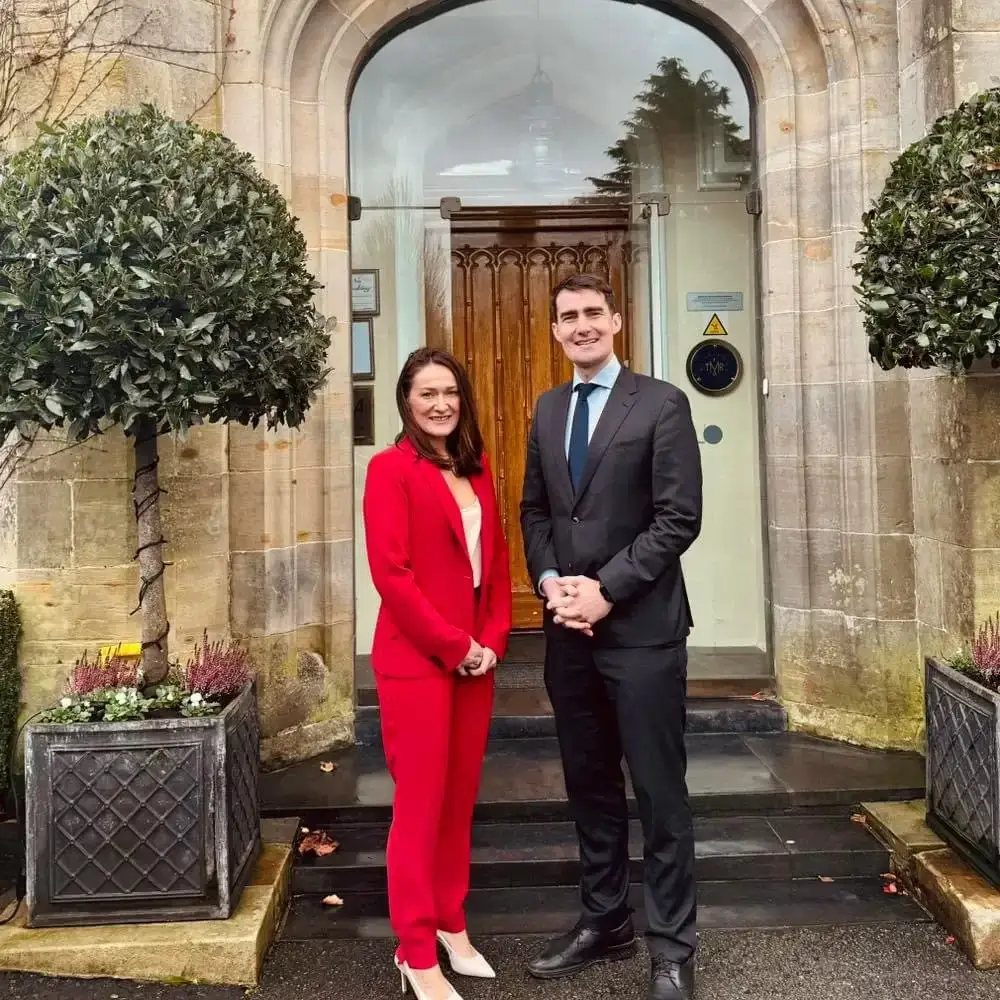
(434, 401)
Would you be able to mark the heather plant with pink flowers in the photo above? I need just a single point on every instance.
(981, 662)
(89, 676)
(217, 669)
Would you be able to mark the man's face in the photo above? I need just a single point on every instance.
(585, 327)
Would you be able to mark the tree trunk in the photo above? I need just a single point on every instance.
(152, 598)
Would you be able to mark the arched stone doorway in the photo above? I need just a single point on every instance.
(575, 135)
(827, 127)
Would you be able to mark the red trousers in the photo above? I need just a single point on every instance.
(434, 731)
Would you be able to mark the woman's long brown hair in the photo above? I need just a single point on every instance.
(465, 443)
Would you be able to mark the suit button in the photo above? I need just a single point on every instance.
(576, 520)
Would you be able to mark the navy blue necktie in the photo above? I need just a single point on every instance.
(579, 435)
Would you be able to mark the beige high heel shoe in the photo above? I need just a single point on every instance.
(407, 979)
(467, 965)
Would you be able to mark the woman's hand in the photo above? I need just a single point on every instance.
(488, 663)
(473, 658)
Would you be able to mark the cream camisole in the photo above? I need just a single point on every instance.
(472, 521)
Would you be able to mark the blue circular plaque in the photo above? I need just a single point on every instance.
(714, 367)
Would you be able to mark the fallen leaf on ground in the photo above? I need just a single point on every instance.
(890, 887)
(319, 843)
(760, 696)
(889, 876)
(333, 901)
(304, 829)
(860, 818)
(949, 940)
(825, 878)
(328, 766)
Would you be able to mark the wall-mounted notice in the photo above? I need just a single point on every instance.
(714, 301)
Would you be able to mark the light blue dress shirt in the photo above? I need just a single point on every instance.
(605, 381)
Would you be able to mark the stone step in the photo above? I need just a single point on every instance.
(759, 904)
(525, 713)
(735, 774)
(735, 848)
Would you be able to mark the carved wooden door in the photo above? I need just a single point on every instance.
(504, 264)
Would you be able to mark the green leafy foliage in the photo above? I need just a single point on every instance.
(148, 270)
(10, 680)
(929, 272)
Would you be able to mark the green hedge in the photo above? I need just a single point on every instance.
(10, 680)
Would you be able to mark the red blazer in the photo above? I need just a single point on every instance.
(420, 566)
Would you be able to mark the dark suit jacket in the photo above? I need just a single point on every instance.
(637, 509)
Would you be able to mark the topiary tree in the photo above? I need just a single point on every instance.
(929, 272)
(150, 278)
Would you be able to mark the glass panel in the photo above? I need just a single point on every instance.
(520, 102)
(708, 263)
(623, 137)
(408, 253)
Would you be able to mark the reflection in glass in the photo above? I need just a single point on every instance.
(522, 102)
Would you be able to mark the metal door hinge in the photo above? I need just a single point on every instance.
(661, 201)
(353, 207)
(765, 386)
(755, 202)
(450, 206)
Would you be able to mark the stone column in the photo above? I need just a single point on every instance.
(949, 52)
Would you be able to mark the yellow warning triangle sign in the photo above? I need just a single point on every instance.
(715, 327)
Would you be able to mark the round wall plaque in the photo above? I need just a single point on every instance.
(714, 367)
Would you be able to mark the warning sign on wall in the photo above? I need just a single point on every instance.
(715, 327)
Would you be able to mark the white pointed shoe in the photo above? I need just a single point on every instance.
(467, 965)
(408, 980)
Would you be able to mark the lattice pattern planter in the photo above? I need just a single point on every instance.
(963, 769)
(138, 822)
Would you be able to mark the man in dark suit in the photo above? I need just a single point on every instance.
(612, 498)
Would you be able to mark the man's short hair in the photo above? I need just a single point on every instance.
(581, 283)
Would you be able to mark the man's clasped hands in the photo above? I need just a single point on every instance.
(576, 603)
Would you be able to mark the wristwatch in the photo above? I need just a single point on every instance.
(605, 594)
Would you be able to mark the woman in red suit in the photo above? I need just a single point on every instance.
(439, 562)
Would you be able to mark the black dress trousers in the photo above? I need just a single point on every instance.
(610, 703)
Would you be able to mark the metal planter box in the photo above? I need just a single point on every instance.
(963, 767)
(140, 822)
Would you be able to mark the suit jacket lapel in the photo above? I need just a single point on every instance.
(615, 410)
(443, 496)
(554, 437)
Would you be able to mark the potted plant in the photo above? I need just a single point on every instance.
(962, 700)
(151, 279)
(144, 801)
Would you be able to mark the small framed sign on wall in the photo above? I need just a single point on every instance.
(364, 292)
(362, 348)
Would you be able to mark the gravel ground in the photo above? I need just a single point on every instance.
(908, 962)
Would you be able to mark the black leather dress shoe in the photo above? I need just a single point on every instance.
(582, 947)
(671, 980)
